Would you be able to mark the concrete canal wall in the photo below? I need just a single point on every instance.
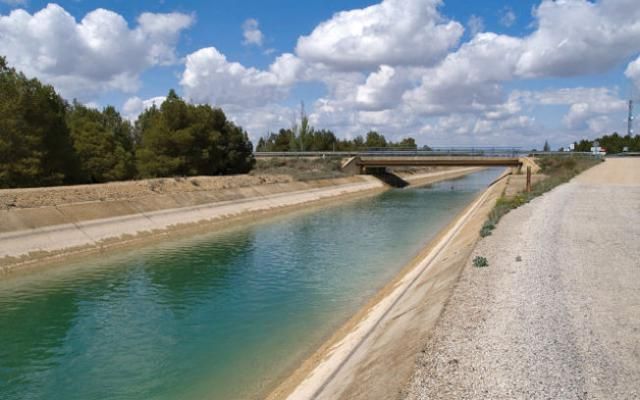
(41, 232)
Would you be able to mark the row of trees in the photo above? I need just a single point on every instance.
(613, 143)
(304, 137)
(326, 140)
(45, 141)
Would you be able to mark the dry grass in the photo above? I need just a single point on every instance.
(301, 169)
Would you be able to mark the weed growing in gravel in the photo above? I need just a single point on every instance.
(487, 228)
(480, 262)
(504, 205)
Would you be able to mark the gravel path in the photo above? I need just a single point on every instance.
(562, 323)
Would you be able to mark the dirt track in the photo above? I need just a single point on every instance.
(557, 312)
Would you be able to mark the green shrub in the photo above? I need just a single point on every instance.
(480, 262)
(487, 228)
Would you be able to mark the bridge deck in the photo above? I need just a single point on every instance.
(378, 162)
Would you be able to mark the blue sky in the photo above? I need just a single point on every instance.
(446, 72)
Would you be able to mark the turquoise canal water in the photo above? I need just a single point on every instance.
(218, 316)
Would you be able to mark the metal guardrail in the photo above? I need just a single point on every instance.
(562, 153)
(625, 154)
(402, 152)
(433, 152)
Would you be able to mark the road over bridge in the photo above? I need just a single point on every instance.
(428, 161)
(376, 159)
(364, 164)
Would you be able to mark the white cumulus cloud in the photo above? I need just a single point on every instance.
(134, 106)
(251, 32)
(577, 37)
(383, 89)
(209, 77)
(588, 108)
(394, 32)
(468, 80)
(98, 53)
(633, 72)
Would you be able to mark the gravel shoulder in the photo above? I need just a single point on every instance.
(561, 323)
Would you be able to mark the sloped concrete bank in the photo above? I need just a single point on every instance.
(421, 179)
(30, 236)
(373, 355)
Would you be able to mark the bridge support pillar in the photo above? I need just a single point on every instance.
(352, 166)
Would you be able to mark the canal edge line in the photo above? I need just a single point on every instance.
(30, 249)
(320, 370)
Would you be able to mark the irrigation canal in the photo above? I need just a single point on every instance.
(222, 315)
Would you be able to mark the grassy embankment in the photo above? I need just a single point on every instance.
(557, 169)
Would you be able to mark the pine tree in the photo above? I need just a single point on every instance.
(35, 144)
(181, 139)
(375, 140)
(103, 143)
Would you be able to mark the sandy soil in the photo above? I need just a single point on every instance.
(557, 312)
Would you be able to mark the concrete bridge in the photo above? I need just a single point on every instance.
(360, 164)
(377, 160)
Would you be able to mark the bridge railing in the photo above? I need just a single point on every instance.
(403, 152)
(476, 151)
(433, 151)
(562, 154)
(625, 154)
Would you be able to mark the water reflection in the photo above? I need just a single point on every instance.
(196, 274)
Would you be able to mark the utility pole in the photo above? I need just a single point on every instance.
(630, 120)
(303, 126)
